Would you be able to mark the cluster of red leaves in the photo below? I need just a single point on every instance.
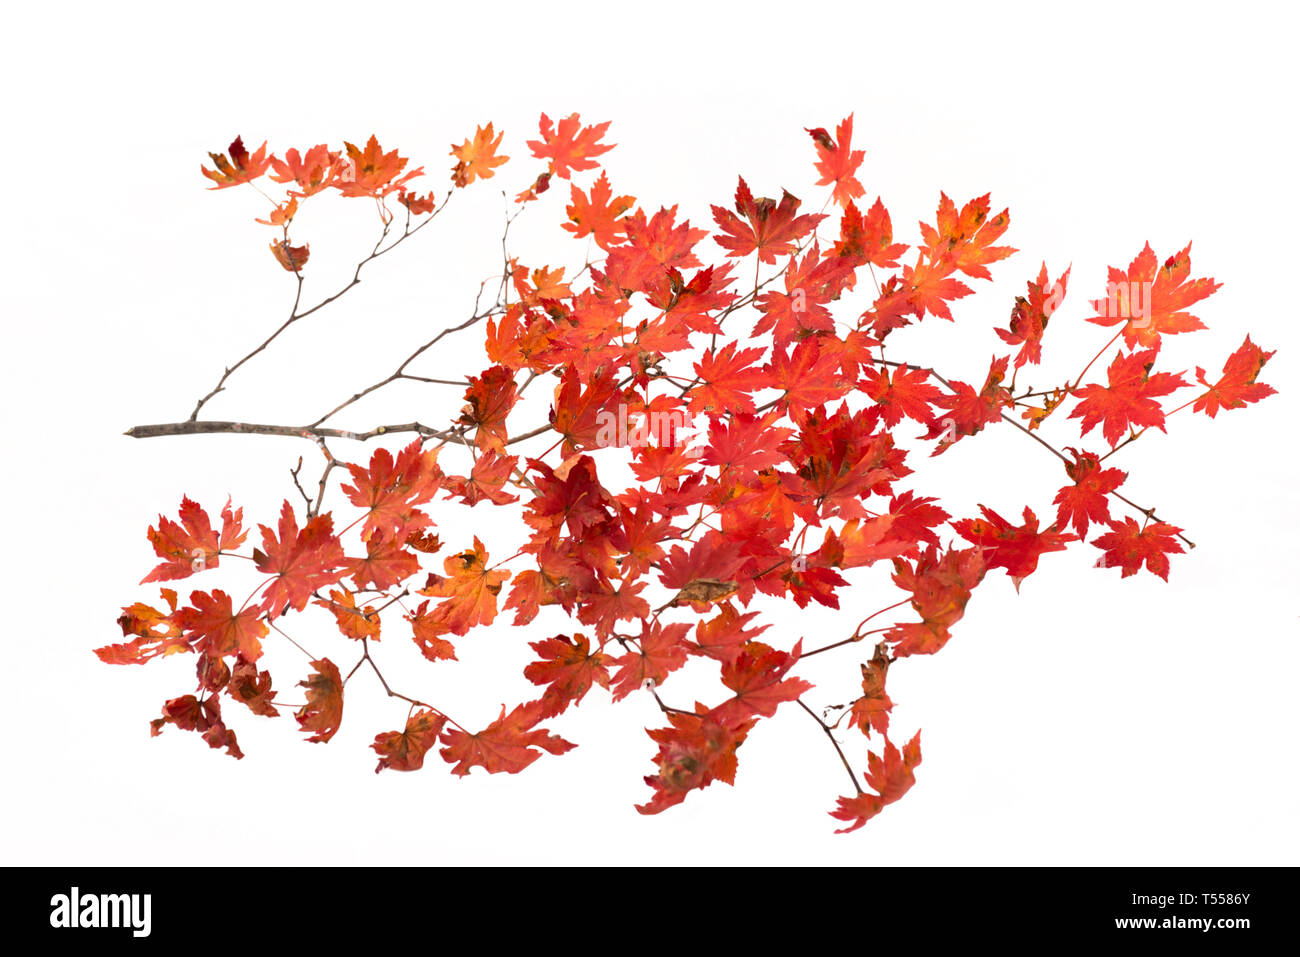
(801, 432)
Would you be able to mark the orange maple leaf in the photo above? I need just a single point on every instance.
(214, 628)
(311, 173)
(193, 545)
(372, 172)
(871, 711)
(301, 560)
(390, 489)
(240, 167)
(510, 743)
(597, 215)
(252, 688)
(962, 240)
(323, 711)
(356, 623)
(489, 398)
(418, 205)
(292, 258)
(569, 146)
(427, 631)
(470, 590)
(405, 750)
(156, 633)
(477, 158)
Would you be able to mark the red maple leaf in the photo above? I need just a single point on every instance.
(725, 635)
(568, 667)
(940, 588)
(252, 688)
(727, 379)
(801, 311)
(862, 542)
(391, 489)
(570, 497)
(892, 776)
(510, 743)
(193, 545)
(386, 563)
(837, 161)
(969, 411)
(871, 711)
(486, 481)
(1237, 386)
(758, 677)
(868, 238)
(904, 393)
(190, 714)
(661, 650)
(653, 246)
(1030, 314)
(769, 228)
(1127, 545)
(610, 602)
(1085, 500)
(929, 287)
(427, 630)
(1153, 302)
(805, 377)
(695, 751)
(913, 518)
(1014, 547)
(489, 398)
(301, 561)
(581, 412)
(743, 444)
(1129, 398)
(643, 531)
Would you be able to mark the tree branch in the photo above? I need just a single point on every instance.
(311, 432)
(1150, 513)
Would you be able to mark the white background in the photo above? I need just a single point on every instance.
(1087, 720)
